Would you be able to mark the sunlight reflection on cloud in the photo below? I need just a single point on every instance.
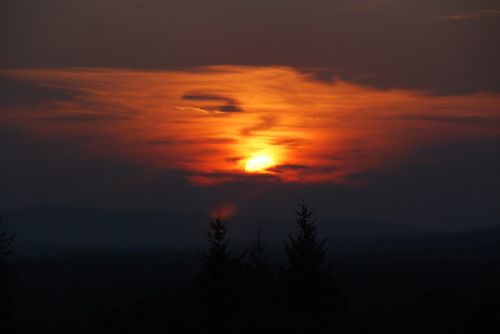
(313, 131)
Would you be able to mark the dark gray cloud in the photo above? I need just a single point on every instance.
(280, 169)
(60, 103)
(86, 117)
(290, 167)
(474, 15)
(206, 97)
(16, 93)
(225, 108)
(365, 5)
(394, 43)
(468, 120)
(224, 104)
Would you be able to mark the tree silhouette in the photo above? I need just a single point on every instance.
(6, 271)
(217, 260)
(310, 289)
(220, 282)
(260, 290)
(305, 252)
(257, 257)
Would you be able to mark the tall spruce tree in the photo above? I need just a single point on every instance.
(305, 252)
(257, 257)
(217, 259)
(220, 282)
(310, 289)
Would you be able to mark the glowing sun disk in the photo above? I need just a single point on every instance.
(259, 163)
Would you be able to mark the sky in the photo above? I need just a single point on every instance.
(384, 110)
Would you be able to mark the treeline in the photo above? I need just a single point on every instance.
(6, 281)
(244, 293)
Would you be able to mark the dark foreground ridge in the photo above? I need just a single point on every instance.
(450, 283)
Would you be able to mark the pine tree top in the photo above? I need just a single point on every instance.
(305, 252)
(217, 259)
(257, 255)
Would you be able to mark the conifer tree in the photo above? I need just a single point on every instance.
(309, 288)
(257, 256)
(220, 282)
(305, 252)
(217, 259)
(6, 279)
(259, 289)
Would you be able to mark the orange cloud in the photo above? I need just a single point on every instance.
(208, 122)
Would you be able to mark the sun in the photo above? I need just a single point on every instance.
(259, 163)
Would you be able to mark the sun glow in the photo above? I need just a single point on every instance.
(259, 163)
(232, 123)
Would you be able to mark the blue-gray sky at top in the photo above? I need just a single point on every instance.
(444, 47)
(447, 46)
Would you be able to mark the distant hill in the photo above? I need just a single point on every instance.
(121, 230)
(127, 230)
(467, 245)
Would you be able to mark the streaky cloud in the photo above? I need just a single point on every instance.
(474, 15)
(209, 123)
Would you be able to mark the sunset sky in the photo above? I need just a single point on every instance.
(385, 110)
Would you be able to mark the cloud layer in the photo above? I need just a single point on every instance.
(386, 43)
(474, 15)
(208, 122)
